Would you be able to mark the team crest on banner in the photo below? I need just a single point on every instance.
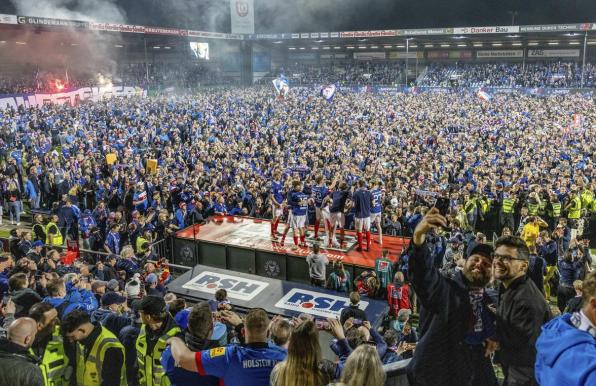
(328, 92)
(242, 8)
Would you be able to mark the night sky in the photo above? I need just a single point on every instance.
(317, 15)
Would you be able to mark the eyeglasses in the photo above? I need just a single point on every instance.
(505, 258)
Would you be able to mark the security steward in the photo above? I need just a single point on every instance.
(49, 346)
(99, 354)
(158, 327)
(53, 235)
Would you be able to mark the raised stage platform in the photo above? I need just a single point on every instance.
(244, 245)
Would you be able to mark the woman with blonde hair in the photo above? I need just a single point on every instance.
(303, 365)
(363, 368)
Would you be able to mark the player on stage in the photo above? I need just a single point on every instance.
(298, 202)
(319, 192)
(362, 199)
(377, 209)
(276, 197)
(340, 202)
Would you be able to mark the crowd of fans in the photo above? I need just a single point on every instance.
(358, 73)
(120, 174)
(530, 74)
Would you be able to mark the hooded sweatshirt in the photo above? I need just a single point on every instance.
(565, 354)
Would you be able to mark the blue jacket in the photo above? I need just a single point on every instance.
(76, 299)
(565, 355)
(30, 190)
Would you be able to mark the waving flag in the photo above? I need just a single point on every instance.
(282, 86)
(328, 92)
(483, 95)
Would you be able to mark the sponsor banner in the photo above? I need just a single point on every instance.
(52, 22)
(326, 56)
(487, 30)
(314, 36)
(303, 56)
(315, 303)
(425, 31)
(500, 54)
(213, 35)
(111, 27)
(324, 35)
(8, 19)
(236, 287)
(341, 56)
(367, 34)
(295, 36)
(334, 34)
(550, 28)
(369, 55)
(304, 36)
(242, 16)
(70, 97)
(570, 53)
(166, 31)
(449, 54)
(404, 55)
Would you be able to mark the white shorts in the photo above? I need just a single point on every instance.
(297, 222)
(338, 219)
(362, 224)
(277, 211)
(374, 217)
(322, 213)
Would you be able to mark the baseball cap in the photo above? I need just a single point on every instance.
(150, 304)
(151, 278)
(112, 298)
(483, 250)
(113, 285)
(37, 243)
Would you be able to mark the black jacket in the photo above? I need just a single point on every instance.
(521, 311)
(351, 312)
(442, 357)
(19, 368)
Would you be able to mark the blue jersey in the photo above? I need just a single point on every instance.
(235, 365)
(297, 201)
(362, 203)
(277, 191)
(318, 194)
(339, 198)
(377, 197)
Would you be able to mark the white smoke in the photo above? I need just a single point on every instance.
(86, 10)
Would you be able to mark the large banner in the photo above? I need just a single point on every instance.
(553, 53)
(500, 54)
(449, 54)
(369, 55)
(486, 30)
(243, 16)
(70, 97)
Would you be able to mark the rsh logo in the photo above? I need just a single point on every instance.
(315, 303)
(237, 287)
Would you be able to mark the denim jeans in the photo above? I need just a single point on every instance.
(14, 211)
